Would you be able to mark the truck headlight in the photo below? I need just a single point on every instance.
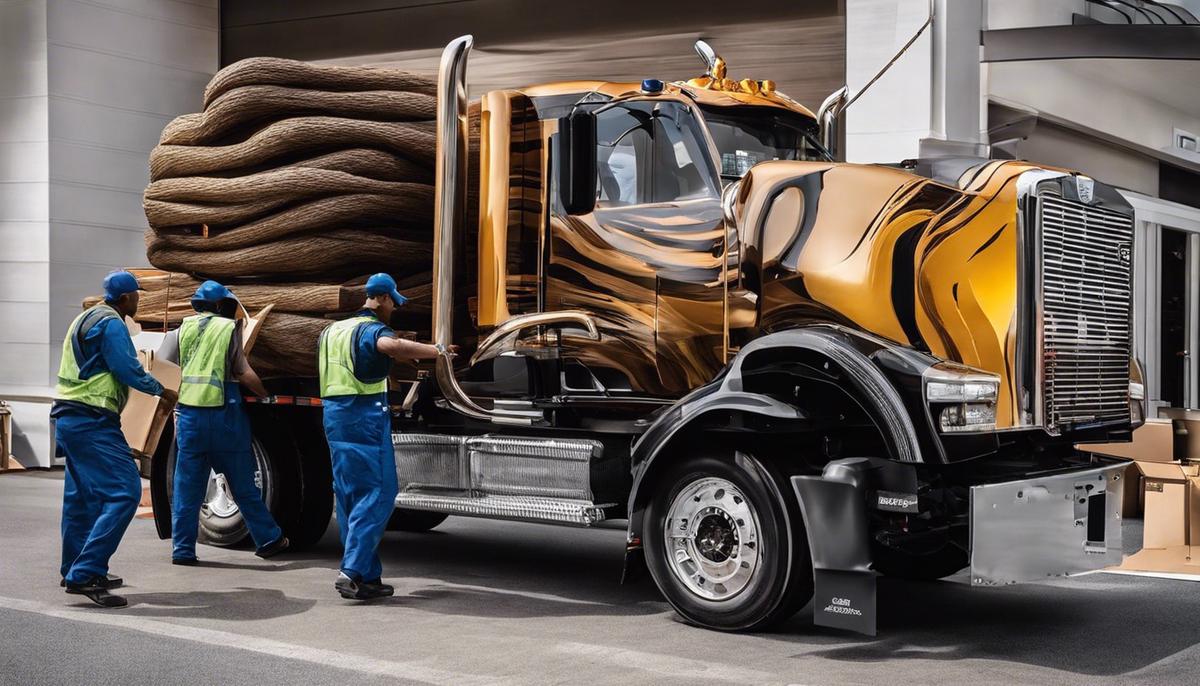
(962, 398)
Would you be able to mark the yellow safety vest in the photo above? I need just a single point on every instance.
(336, 361)
(100, 390)
(203, 349)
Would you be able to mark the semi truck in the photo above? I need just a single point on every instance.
(786, 374)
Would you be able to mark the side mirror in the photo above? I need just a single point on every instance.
(577, 162)
(828, 117)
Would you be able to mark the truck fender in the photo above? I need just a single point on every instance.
(839, 345)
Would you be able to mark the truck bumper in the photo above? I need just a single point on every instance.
(1047, 526)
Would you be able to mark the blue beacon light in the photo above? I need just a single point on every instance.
(652, 86)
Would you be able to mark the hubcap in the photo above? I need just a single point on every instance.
(218, 498)
(711, 534)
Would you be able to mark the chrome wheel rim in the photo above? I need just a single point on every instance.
(711, 535)
(218, 498)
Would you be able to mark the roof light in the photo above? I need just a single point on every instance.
(652, 86)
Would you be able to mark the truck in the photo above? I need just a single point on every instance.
(786, 374)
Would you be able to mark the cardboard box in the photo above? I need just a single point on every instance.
(1152, 442)
(1187, 431)
(1172, 504)
(1171, 533)
(145, 416)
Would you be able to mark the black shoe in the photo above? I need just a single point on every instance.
(361, 590)
(109, 582)
(185, 561)
(95, 591)
(272, 549)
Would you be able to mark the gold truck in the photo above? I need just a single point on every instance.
(787, 373)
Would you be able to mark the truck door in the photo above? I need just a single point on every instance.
(647, 261)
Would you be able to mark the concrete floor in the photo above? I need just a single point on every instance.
(482, 602)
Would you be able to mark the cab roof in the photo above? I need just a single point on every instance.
(703, 90)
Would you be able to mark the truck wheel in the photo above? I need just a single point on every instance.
(414, 521)
(727, 550)
(933, 562)
(221, 521)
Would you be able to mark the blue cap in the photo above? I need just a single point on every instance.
(119, 283)
(213, 293)
(652, 86)
(382, 284)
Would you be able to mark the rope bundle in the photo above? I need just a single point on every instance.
(293, 184)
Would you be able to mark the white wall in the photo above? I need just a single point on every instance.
(86, 87)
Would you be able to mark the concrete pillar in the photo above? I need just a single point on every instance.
(929, 102)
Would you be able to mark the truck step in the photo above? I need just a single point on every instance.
(523, 508)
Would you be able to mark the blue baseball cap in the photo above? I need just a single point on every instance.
(119, 283)
(382, 284)
(213, 293)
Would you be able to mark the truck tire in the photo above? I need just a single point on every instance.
(414, 521)
(935, 562)
(296, 486)
(742, 562)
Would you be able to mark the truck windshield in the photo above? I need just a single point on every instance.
(746, 136)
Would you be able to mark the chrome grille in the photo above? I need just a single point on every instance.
(1086, 304)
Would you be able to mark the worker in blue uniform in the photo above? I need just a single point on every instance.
(212, 431)
(102, 488)
(355, 357)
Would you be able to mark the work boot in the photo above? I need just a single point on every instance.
(95, 591)
(109, 581)
(274, 548)
(361, 590)
(185, 561)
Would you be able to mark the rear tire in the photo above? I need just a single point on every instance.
(414, 521)
(725, 546)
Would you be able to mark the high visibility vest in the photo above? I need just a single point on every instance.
(203, 350)
(335, 353)
(100, 390)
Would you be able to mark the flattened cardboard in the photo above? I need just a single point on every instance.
(144, 416)
(1152, 442)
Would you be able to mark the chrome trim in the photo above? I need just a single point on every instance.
(491, 346)
(521, 508)
(708, 56)
(450, 178)
(1038, 528)
(827, 116)
(1029, 255)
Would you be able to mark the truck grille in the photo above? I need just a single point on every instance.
(1086, 304)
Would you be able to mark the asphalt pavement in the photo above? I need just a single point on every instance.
(483, 602)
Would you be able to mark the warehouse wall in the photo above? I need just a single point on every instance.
(86, 87)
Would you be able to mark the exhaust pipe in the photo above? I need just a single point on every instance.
(450, 174)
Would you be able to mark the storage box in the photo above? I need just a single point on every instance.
(145, 416)
(1152, 442)
(1187, 431)
(1171, 533)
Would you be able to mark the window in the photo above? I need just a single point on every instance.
(745, 136)
(649, 152)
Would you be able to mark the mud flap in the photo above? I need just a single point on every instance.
(835, 515)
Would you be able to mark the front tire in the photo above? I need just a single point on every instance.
(724, 546)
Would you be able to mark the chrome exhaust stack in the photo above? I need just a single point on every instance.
(449, 213)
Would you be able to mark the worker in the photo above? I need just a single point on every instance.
(212, 431)
(355, 357)
(102, 488)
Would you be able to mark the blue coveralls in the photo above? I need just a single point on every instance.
(359, 431)
(216, 439)
(102, 488)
